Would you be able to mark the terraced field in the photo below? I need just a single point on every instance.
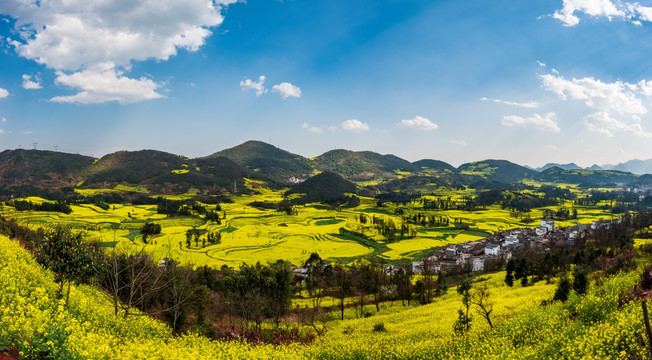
(250, 234)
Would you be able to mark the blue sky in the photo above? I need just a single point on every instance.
(528, 81)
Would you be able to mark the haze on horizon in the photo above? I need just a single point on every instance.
(529, 82)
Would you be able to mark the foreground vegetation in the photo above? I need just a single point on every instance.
(603, 322)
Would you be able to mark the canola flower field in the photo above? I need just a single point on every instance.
(250, 234)
(35, 323)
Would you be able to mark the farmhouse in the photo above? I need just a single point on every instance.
(492, 249)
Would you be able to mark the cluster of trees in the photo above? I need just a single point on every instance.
(387, 227)
(444, 203)
(23, 205)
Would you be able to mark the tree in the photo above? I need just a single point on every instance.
(563, 288)
(342, 286)
(279, 290)
(480, 298)
(177, 294)
(403, 281)
(463, 323)
(509, 278)
(150, 229)
(133, 281)
(442, 285)
(68, 256)
(580, 280)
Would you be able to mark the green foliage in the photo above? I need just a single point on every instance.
(563, 289)
(580, 280)
(379, 327)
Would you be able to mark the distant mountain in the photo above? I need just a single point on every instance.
(634, 166)
(569, 166)
(497, 170)
(326, 186)
(268, 160)
(434, 165)
(595, 167)
(585, 177)
(164, 172)
(362, 165)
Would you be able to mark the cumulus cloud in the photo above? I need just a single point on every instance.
(419, 123)
(286, 90)
(30, 84)
(3, 93)
(617, 96)
(101, 86)
(630, 11)
(105, 37)
(546, 122)
(4, 119)
(257, 86)
(602, 123)
(355, 125)
(593, 8)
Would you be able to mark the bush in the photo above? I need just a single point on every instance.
(379, 327)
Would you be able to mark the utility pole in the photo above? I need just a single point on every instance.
(35, 145)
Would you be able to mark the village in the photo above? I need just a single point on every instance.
(474, 256)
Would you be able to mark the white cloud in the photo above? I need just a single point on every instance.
(459, 142)
(541, 63)
(4, 119)
(28, 84)
(2, 131)
(27, 132)
(419, 123)
(529, 104)
(603, 123)
(258, 86)
(287, 90)
(617, 96)
(73, 36)
(633, 12)
(312, 129)
(3, 93)
(552, 147)
(355, 125)
(102, 86)
(593, 8)
(546, 122)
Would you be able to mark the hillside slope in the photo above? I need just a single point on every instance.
(268, 160)
(35, 323)
(362, 165)
(498, 170)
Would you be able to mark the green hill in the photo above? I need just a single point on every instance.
(326, 186)
(434, 165)
(165, 172)
(40, 173)
(362, 165)
(268, 160)
(586, 177)
(498, 170)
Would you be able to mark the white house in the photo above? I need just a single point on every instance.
(492, 249)
(548, 224)
(510, 240)
(541, 230)
(477, 263)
